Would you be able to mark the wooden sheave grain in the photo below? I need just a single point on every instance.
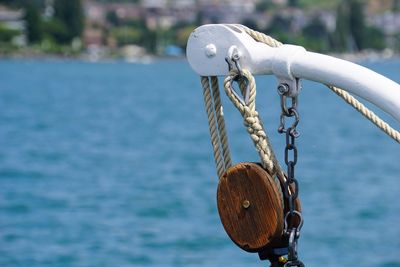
(252, 207)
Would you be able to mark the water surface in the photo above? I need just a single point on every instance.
(110, 164)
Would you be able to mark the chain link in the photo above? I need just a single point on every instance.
(293, 218)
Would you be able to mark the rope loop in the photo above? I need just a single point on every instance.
(247, 87)
(247, 108)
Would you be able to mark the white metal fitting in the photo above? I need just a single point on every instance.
(288, 87)
(281, 67)
(209, 45)
(233, 58)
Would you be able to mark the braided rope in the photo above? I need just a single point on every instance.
(212, 126)
(251, 119)
(261, 37)
(219, 112)
(367, 113)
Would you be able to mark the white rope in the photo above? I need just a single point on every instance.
(219, 162)
(216, 121)
(251, 119)
(219, 113)
(370, 115)
(261, 37)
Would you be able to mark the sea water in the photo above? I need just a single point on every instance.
(110, 164)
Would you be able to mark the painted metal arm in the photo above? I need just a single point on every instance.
(209, 45)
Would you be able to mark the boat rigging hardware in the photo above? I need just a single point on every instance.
(287, 112)
(271, 241)
(278, 243)
(249, 53)
(293, 218)
(263, 55)
(233, 58)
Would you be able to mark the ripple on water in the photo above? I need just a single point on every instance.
(104, 165)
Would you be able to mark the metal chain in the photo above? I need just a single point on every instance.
(293, 218)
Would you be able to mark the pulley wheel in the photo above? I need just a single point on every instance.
(250, 206)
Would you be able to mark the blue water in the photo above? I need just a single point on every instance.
(110, 164)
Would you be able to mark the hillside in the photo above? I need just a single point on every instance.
(373, 6)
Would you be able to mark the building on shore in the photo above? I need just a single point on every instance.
(14, 20)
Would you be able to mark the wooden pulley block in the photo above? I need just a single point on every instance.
(252, 207)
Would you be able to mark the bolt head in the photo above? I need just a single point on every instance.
(282, 259)
(211, 50)
(283, 89)
(246, 204)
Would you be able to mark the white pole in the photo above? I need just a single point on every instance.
(209, 45)
(355, 79)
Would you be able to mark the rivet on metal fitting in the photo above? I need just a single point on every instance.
(211, 50)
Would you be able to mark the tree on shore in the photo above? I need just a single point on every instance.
(315, 36)
(352, 33)
(264, 5)
(341, 35)
(357, 24)
(293, 3)
(70, 14)
(396, 5)
(33, 23)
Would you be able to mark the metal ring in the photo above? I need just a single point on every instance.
(291, 131)
(295, 192)
(236, 78)
(285, 110)
(281, 128)
(292, 244)
(298, 214)
(237, 64)
(284, 107)
(293, 112)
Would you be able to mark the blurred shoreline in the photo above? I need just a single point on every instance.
(144, 30)
(368, 55)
